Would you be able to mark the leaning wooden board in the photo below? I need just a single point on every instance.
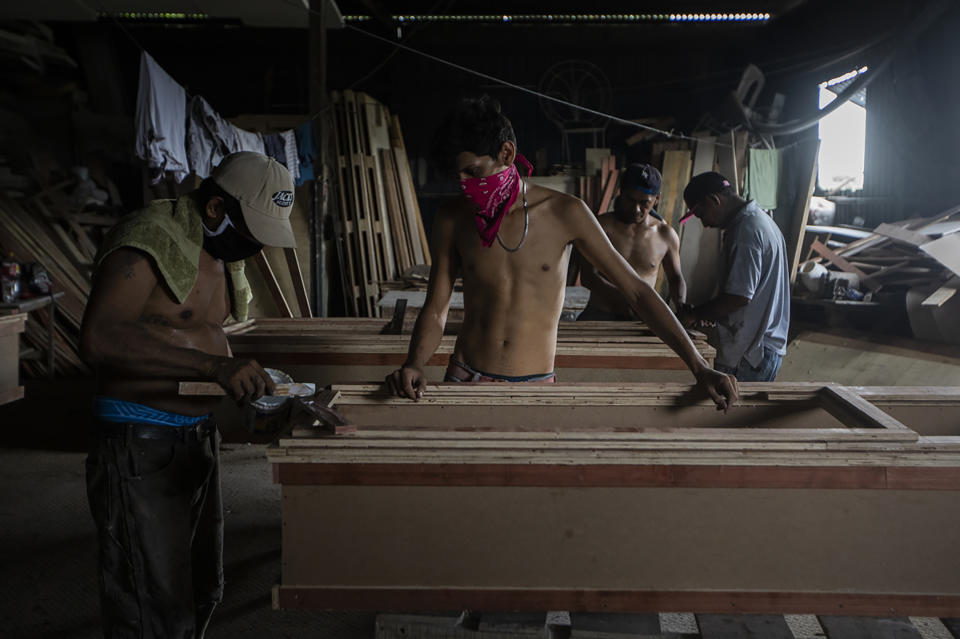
(10, 328)
(336, 351)
(808, 498)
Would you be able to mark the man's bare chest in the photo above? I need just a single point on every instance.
(643, 250)
(541, 256)
(206, 304)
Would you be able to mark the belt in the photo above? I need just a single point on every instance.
(185, 434)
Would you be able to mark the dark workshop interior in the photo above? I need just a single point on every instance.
(821, 501)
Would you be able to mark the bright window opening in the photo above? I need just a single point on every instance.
(843, 136)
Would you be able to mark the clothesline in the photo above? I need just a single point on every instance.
(182, 135)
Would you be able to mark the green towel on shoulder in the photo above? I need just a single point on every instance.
(170, 232)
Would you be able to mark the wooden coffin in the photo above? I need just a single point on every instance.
(10, 328)
(353, 350)
(807, 498)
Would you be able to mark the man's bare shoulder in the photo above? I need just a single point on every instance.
(556, 202)
(126, 261)
(666, 232)
(453, 209)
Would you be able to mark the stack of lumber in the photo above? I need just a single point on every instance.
(922, 252)
(597, 190)
(377, 222)
(61, 242)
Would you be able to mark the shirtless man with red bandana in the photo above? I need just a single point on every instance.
(510, 240)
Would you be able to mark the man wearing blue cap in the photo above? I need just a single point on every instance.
(752, 311)
(643, 238)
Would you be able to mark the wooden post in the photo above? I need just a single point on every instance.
(806, 176)
(272, 285)
(318, 101)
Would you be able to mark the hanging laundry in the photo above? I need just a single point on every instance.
(248, 141)
(275, 148)
(290, 148)
(210, 138)
(763, 176)
(161, 120)
(305, 151)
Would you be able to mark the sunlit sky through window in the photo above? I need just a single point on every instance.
(842, 140)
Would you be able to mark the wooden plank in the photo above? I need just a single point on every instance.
(293, 597)
(676, 175)
(408, 191)
(374, 118)
(806, 175)
(212, 389)
(346, 203)
(613, 179)
(299, 288)
(743, 627)
(272, 285)
(354, 207)
(946, 250)
(902, 235)
(400, 235)
(699, 246)
(942, 295)
(837, 627)
(843, 264)
(855, 410)
(595, 475)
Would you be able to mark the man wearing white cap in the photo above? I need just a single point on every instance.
(167, 276)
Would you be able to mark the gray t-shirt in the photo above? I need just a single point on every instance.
(756, 265)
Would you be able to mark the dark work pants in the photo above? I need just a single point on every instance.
(766, 372)
(159, 517)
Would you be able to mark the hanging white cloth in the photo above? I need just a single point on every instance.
(161, 120)
(293, 158)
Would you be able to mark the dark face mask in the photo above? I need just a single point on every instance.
(228, 244)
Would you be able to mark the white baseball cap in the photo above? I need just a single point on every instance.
(264, 189)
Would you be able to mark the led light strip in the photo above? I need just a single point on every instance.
(154, 15)
(575, 17)
(719, 17)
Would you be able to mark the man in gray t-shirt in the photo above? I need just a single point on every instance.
(752, 310)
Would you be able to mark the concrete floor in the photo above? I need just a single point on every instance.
(48, 587)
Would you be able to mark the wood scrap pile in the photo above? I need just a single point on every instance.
(915, 253)
(377, 223)
(597, 190)
(34, 232)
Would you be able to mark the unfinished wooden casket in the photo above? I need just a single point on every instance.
(353, 350)
(10, 328)
(807, 498)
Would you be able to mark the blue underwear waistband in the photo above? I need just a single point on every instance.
(119, 411)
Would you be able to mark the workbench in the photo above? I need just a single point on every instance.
(350, 350)
(10, 328)
(807, 498)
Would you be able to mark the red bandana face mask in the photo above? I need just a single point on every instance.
(493, 196)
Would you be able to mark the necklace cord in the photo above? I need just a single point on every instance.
(526, 224)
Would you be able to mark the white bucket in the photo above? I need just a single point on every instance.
(810, 274)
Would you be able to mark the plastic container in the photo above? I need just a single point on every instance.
(10, 280)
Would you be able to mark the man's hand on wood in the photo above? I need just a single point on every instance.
(721, 387)
(243, 379)
(407, 381)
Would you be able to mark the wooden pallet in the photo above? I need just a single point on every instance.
(377, 222)
(564, 625)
